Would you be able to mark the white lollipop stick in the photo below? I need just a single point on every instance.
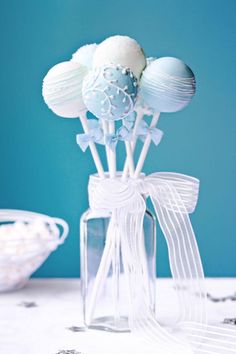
(130, 159)
(92, 146)
(133, 143)
(109, 254)
(102, 272)
(112, 153)
(146, 145)
(105, 130)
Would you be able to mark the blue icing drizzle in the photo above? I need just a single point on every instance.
(110, 92)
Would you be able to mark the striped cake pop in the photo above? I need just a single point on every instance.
(167, 85)
(141, 105)
(62, 92)
(62, 89)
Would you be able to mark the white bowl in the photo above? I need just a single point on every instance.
(26, 240)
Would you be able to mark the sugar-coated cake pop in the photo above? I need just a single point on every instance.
(84, 55)
(62, 89)
(167, 85)
(120, 50)
(110, 92)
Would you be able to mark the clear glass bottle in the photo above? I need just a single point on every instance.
(108, 309)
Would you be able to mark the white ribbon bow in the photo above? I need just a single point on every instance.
(173, 196)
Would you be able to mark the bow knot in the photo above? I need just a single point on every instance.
(144, 130)
(174, 192)
(95, 134)
(122, 134)
(110, 194)
(130, 120)
(173, 196)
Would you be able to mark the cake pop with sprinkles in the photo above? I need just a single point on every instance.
(167, 85)
(121, 50)
(62, 89)
(110, 92)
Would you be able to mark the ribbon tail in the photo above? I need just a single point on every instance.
(83, 141)
(141, 317)
(156, 136)
(134, 261)
(142, 138)
(184, 257)
(186, 263)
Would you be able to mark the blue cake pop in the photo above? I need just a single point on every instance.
(167, 85)
(110, 92)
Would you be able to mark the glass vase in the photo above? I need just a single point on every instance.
(106, 307)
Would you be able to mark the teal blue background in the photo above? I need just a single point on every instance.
(42, 168)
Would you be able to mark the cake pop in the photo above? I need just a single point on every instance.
(84, 55)
(121, 50)
(167, 85)
(62, 89)
(110, 92)
(141, 109)
(62, 92)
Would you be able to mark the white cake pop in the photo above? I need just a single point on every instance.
(84, 55)
(62, 89)
(120, 50)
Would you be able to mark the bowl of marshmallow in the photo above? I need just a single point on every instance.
(26, 241)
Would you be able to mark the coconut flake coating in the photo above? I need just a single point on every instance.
(121, 50)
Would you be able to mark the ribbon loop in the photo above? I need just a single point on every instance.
(173, 188)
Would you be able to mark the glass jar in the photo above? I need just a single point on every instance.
(105, 296)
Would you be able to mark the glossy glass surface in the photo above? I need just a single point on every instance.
(111, 308)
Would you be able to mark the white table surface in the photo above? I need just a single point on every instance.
(46, 327)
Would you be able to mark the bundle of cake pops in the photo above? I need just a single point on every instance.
(115, 82)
